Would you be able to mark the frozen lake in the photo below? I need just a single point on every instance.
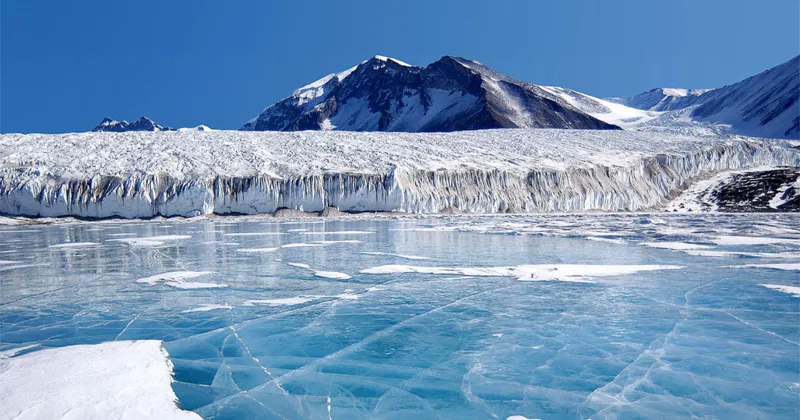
(550, 317)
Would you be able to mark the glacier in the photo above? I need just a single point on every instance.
(148, 174)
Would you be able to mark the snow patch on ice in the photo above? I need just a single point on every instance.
(150, 240)
(257, 250)
(578, 273)
(675, 245)
(74, 245)
(255, 234)
(322, 273)
(207, 307)
(787, 267)
(751, 240)
(112, 380)
(342, 232)
(177, 279)
(609, 240)
(301, 245)
(792, 290)
(297, 300)
(389, 254)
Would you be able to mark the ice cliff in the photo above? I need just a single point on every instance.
(142, 174)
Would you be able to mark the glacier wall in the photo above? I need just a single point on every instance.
(640, 185)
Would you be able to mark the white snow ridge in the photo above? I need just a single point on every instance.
(146, 174)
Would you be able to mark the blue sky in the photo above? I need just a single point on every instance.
(64, 65)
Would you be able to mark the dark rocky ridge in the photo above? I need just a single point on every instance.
(142, 124)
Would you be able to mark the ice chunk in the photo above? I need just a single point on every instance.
(112, 380)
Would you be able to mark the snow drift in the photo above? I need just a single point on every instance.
(142, 174)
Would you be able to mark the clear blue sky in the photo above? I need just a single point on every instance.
(64, 65)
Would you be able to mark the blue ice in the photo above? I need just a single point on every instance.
(253, 336)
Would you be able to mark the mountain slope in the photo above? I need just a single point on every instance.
(662, 99)
(142, 124)
(764, 105)
(451, 94)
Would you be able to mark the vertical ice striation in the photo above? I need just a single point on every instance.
(246, 173)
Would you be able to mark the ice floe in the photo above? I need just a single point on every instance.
(111, 380)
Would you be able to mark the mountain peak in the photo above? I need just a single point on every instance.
(142, 124)
(385, 59)
(386, 94)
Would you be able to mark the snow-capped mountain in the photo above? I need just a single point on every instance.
(764, 105)
(662, 99)
(142, 124)
(385, 94)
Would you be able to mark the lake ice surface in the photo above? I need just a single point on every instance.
(673, 316)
